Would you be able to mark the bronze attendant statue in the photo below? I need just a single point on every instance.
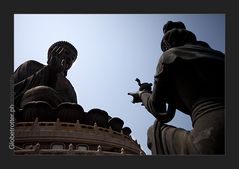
(189, 77)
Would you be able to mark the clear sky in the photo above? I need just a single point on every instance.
(114, 50)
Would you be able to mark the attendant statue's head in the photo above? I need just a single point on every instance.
(177, 37)
(176, 34)
(171, 25)
(65, 55)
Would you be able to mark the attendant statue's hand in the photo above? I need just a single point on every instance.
(136, 97)
(142, 88)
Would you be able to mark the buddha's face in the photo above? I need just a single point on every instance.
(66, 56)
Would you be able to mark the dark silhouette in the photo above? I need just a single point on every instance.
(144, 86)
(190, 78)
(37, 82)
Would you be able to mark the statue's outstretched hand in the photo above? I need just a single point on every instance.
(142, 88)
(136, 98)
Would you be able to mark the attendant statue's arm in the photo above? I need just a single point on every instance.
(155, 100)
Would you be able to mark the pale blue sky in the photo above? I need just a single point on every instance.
(114, 49)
